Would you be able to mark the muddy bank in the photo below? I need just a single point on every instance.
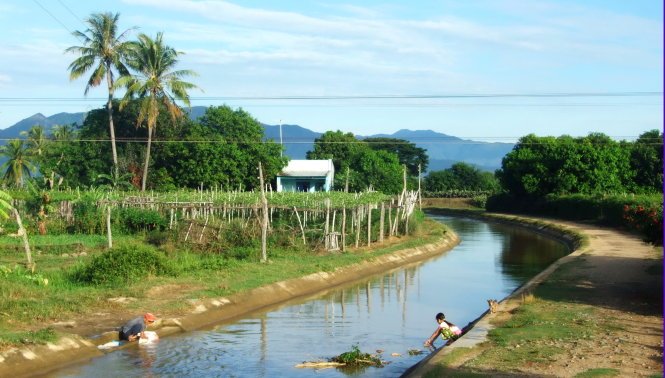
(71, 349)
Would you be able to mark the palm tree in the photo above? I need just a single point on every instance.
(18, 164)
(155, 84)
(63, 132)
(103, 51)
(36, 139)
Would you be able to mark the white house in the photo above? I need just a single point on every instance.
(306, 176)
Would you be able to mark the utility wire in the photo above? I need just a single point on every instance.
(51, 14)
(71, 12)
(374, 97)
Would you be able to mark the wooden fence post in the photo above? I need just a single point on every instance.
(382, 219)
(344, 229)
(302, 230)
(369, 225)
(264, 223)
(108, 226)
(24, 234)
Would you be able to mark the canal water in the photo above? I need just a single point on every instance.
(392, 313)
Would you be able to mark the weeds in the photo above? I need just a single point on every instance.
(355, 357)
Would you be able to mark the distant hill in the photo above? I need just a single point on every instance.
(15, 130)
(443, 150)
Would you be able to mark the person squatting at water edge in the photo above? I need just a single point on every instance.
(135, 328)
(447, 330)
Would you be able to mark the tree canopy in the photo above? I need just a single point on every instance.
(407, 153)
(186, 155)
(461, 176)
(538, 166)
(378, 169)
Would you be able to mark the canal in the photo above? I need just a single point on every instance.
(393, 313)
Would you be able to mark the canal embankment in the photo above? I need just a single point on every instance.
(73, 348)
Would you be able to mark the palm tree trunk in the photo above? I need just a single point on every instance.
(147, 160)
(109, 109)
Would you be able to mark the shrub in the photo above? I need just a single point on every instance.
(88, 219)
(479, 201)
(123, 264)
(647, 220)
(129, 220)
(643, 213)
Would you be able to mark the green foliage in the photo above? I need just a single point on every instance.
(598, 372)
(367, 168)
(594, 164)
(647, 219)
(355, 357)
(407, 152)
(19, 164)
(226, 150)
(108, 182)
(88, 218)
(646, 159)
(461, 177)
(479, 201)
(5, 204)
(456, 193)
(123, 264)
(18, 273)
(133, 219)
(634, 211)
(40, 337)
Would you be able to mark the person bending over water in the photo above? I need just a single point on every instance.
(447, 330)
(134, 329)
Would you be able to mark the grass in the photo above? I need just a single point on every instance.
(600, 372)
(26, 300)
(40, 337)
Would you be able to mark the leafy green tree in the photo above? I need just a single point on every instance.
(103, 51)
(155, 83)
(538, 166)
(223, 149)
(461, 176)
(19, 163)
(407, 153)
(342, 148)
(646, 160)
(380, 170)
(368, 168)
(440, 181)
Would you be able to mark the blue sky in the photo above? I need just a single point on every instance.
(247, 51)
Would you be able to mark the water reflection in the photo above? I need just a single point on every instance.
(393, 312)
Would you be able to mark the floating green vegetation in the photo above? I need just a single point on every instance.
(355, 357)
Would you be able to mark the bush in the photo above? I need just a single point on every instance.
(123, 264)
(639, 212)
(130, 220)
(88, 219)
(479, 201)
(647, 220)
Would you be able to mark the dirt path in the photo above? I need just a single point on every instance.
(621, 278)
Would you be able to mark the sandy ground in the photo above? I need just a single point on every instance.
(617, 278)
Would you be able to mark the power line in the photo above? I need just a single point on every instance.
(435, 141)
(55, 18)
(375, 97)
(71, 12)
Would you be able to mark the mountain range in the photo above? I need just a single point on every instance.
(443, 150)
